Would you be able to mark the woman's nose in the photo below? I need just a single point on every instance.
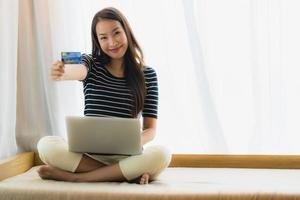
(113, 42)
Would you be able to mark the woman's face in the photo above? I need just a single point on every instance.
(112, 38)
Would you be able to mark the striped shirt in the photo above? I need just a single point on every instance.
(109, 96)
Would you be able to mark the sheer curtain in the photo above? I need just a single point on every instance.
(227, 70)
(8, 76)
(35, 106)
(43, 103)
(250, 57)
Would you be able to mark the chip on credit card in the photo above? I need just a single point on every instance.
(71, 57)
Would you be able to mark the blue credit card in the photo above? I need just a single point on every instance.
(71, 57)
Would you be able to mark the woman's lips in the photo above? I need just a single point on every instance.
(115, 50)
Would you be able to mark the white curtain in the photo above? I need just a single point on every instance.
(250, 57)
(8, 76)
(228, 71)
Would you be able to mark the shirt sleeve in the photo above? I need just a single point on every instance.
(87, 60)
(151, 100)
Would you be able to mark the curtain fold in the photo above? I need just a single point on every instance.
(215, 135)
(269, 99)
(42, 104)
(33, 120)
(8, 76)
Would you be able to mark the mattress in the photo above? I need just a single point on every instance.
(173, 183)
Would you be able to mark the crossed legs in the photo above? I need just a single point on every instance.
(63, 165)
(88, 170)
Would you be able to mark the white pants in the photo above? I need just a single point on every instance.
(53, 150)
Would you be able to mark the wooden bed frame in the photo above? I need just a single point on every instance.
(22, 162)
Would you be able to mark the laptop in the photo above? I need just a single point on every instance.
(101, 135)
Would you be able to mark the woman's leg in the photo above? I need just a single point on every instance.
(53, 151)
(87, 164)
(147, 165)
(61, 163)
(141, 167)
(150, 163)
(102, 174)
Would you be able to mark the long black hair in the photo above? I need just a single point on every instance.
(133, 58)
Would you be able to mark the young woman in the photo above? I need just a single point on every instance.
(116, 84)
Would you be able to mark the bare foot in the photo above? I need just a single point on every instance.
(144, 179)
(53, 173)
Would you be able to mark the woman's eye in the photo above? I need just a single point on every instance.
(116, 33)
(102, 38)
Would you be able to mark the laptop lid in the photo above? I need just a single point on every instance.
(100, 135)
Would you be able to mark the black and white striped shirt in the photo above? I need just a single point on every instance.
(108, 96)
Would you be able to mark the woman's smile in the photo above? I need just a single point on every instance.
(116, 50)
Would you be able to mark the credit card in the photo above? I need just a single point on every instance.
(71, 57)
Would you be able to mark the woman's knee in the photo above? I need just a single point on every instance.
(53, 150)
(161, 156)
(153, 161)
(49, 147)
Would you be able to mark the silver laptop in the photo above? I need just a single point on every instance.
(100, 135)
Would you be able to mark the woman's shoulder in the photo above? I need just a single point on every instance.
(149, 72)
(90, 60)
(88, 57)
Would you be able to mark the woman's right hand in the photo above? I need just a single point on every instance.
(57, 70)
